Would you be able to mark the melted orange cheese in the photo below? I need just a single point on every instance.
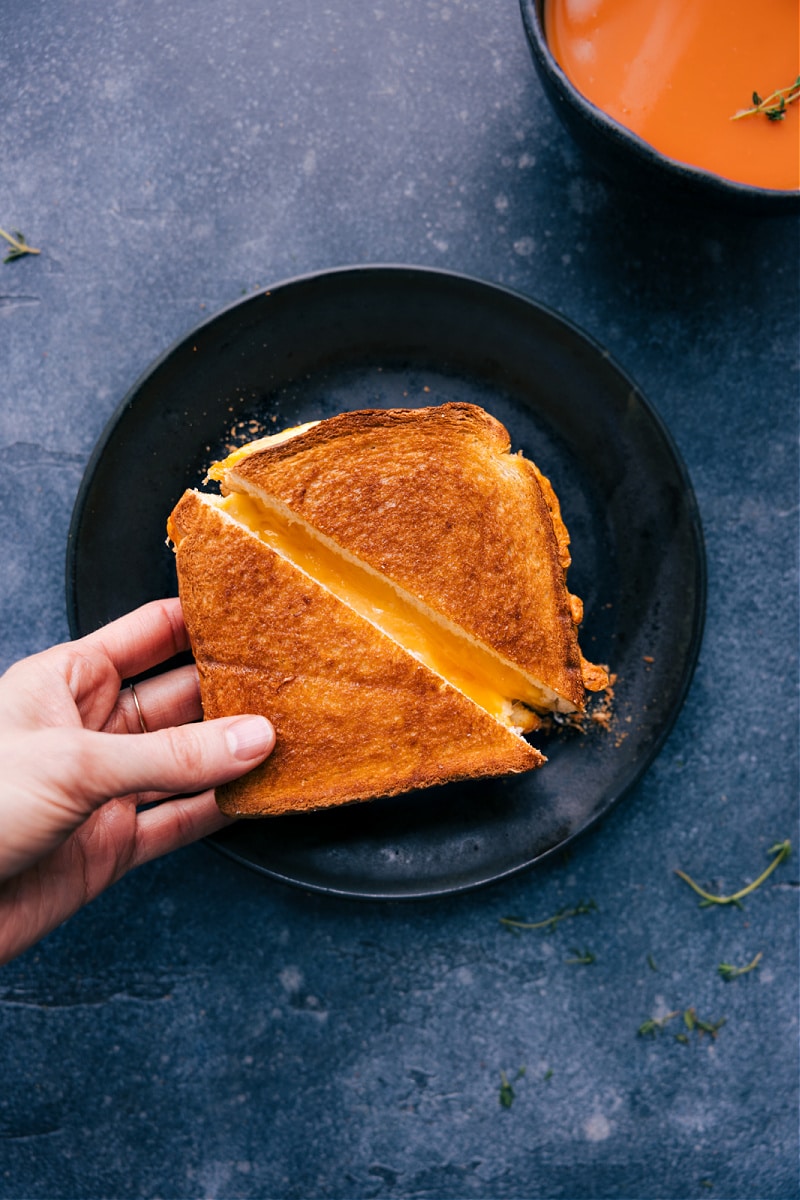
(676, 72)
(494, 686)
(272, 439)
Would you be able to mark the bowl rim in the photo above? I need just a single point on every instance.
(533, 20)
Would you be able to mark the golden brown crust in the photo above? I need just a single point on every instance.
(451, 516)
(554, 507)
(595, 677)
(355, 715)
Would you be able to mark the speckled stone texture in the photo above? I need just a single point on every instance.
(202, 1032)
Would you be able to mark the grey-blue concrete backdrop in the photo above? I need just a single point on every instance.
(202, 1032)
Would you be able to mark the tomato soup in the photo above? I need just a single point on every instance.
(677, 71)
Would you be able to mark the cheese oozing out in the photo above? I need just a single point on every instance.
(497, 686)
(271, 439)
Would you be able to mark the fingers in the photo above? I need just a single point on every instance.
(186, 759)
(174, 824)
(114, 840)
(169, 699)
(143, 638)
(79, 681)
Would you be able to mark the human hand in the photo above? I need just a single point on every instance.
(76, 768)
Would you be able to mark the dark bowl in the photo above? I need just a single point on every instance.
(625, 157)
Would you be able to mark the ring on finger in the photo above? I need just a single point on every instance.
(138, 707)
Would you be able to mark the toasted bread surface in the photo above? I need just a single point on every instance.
(434, 500)
(356, 716)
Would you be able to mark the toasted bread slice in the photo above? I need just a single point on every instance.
(433, 501)
(356, 714)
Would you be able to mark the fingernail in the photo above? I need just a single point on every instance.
(249, 737)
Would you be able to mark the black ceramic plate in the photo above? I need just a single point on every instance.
(401, 337)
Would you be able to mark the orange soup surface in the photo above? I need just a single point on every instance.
(676, 71)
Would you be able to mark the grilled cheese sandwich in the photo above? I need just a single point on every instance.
(270, 522)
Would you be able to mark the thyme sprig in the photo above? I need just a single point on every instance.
(564, 914)
(18, 244)
(581, 957)
(773, 106)
(728, 971)
(781, 851)
(507, 1088)
(654, 1025)
(691, 1021)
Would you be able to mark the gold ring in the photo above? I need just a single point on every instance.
(138, 708)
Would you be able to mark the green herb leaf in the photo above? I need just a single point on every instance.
(654, 1025)
(582, 957)
(506, 1088)
(781, 850)
(691, 1021)
(563, 914)
(728, 971)
(18, 244)
(711, 1027)
(773, 106)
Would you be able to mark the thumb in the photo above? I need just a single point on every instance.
(185, 758)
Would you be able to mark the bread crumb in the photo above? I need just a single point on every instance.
(242, 432)
(599, 711)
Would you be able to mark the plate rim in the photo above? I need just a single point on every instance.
(417, 273)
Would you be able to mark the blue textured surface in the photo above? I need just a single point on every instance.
(201, 1032)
